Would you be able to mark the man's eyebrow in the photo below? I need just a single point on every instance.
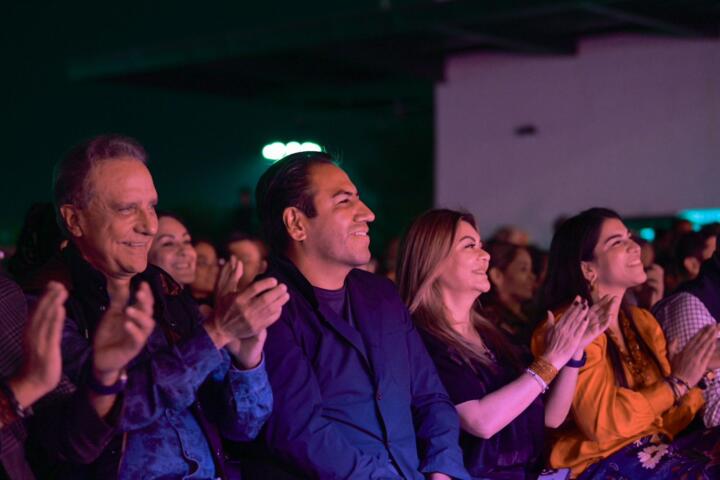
(345, 192)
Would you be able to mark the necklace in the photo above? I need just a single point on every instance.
(634, 358)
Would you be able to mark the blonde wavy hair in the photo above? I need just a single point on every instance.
(424, 251)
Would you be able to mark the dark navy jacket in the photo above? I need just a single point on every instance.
(361, 403)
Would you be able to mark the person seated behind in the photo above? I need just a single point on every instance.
(172, 249)
(692, 249)
(513, 287)
(442, 271)
(694, 306)
(356, 395)
(251, 251)
(207, 268)
(633, 396)
(194, 381)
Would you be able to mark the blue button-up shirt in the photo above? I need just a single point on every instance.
(182, 392)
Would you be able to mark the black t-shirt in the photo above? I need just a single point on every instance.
(335, 300)
(516, 451)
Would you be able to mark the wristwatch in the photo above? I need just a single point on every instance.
(114, 389)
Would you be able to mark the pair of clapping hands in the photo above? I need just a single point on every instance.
(240, 319)
(579, 325)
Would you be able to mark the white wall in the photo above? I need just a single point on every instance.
(632, 123)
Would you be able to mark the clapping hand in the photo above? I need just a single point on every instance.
(120, 336)
(42, 359)
(564, 336)
(241, 318)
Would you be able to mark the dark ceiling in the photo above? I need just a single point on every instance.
(372, 55)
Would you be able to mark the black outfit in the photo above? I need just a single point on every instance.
(516, 451)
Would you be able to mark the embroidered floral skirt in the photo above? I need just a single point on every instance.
(695, 456)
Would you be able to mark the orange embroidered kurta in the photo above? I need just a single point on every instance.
(606, 417)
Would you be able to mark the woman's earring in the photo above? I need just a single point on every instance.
(593, 283)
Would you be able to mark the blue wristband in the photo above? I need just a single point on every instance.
(577, 363)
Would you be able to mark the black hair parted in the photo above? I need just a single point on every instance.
(286, 184)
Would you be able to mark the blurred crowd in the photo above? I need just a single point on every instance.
(131, 348)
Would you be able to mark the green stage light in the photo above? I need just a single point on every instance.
(277, 150)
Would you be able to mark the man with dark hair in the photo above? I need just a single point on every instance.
(195, 381)
(356, 394)
(694, 306)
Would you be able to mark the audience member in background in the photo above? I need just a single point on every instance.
(711, 232)
(633, 396)
(511, 234)
(172, 249)
(442, 272)
(37, 254)
(693, 307)
(251, 251)
(539, 259)
(207, 268)
(513, 287)
(652, 290)
(691, 250)
(389, 260)
(356, 395)
(195, 380)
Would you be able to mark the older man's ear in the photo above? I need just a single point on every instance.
(71, 218)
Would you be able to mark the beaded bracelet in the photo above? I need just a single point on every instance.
(538, 379)
(544, 369)
(678, 386)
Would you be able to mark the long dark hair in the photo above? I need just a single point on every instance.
(425, 246)
(574, 242)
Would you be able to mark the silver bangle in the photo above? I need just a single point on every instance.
(538, 379)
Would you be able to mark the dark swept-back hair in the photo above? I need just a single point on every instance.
(286, 184)
(574, 242)
(70, 175)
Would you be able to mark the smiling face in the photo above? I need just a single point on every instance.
(337, 238)
(616, 265)
(172, 251)
(115, 229)
(465, 268)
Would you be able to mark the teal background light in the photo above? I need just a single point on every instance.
(701, 216)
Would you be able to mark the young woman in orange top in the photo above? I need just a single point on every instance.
(632, 396)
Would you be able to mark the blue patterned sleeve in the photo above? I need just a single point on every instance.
(248, 401)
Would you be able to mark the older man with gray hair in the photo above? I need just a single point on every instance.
(197, 380)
